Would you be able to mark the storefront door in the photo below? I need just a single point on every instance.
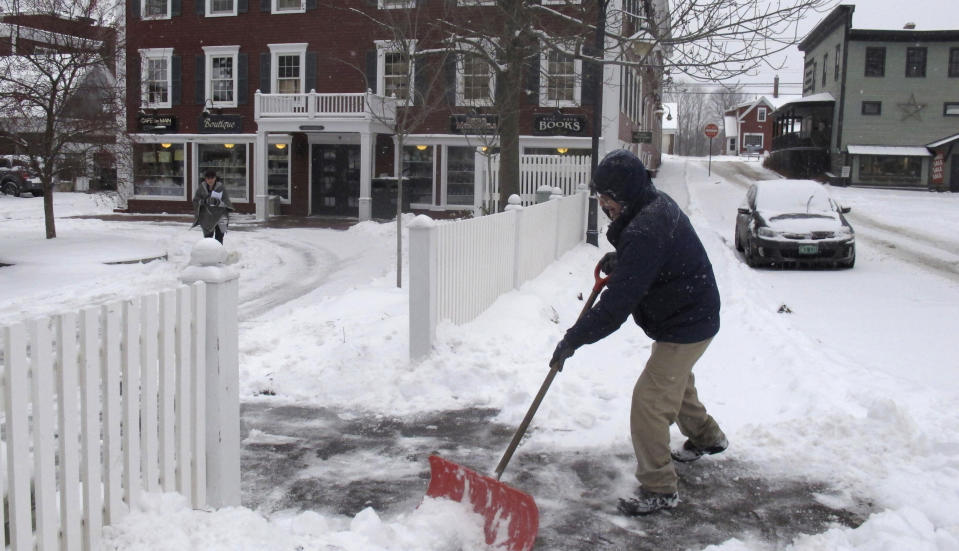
(335, 179)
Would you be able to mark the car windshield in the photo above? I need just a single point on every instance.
(785, 198)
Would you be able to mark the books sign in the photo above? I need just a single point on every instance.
(558, 124)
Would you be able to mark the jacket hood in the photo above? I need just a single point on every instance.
(623, 177)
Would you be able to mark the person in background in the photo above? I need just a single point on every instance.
(660, 274)
(212, 206)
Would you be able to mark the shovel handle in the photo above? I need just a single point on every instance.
(598, 285)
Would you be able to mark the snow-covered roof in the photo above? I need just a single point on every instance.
(48, 37)
(897, 150)
(944, 141)
(815, 98)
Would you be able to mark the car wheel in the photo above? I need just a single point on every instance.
(848, 263)
(737, 241)
(11, 188)
(752, 257)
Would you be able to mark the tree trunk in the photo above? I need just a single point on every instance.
(508, 105)
(48, 218)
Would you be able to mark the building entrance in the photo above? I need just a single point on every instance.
(954, 174)
(335, 179)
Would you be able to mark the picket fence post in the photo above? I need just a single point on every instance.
(423, 271)
(207, 264)
(515, 204)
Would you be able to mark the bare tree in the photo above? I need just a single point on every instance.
(417, 89)
(60, 97)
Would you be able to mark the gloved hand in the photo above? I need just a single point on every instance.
(608, 263)
(213, 201)
(563, 351)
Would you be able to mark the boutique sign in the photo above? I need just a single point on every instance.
(558, 124)
(221, 124)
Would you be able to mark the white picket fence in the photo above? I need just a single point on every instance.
(566, 172)
(109, 402)
(458, 269)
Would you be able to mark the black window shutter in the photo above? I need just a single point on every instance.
(134, 9)
(175, 75)
(421, 86)
(449, 70)
(592, 75)
(310, 71)
(242, 6)
(242, 79)
(310, 5)
(200, 7)
(265, 73)
(176, 7)
(135, 83)
(265, 5)
(371, 71)
(200, 78)
(532, 78)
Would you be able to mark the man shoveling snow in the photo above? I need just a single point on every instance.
(661, 274)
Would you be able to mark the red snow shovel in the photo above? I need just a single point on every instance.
(511, 519)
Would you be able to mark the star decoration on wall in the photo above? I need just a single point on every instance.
(911, 108)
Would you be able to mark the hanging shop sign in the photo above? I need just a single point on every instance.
(156, 123)
(939, 168)
(220, 124)
(474, 124)
(640, 136)
(558, 124)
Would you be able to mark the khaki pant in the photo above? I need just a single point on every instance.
(665, 394)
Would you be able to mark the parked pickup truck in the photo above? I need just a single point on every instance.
(18, 176)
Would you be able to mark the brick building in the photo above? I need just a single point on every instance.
(292, 102)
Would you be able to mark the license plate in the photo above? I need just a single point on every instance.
(809, 249)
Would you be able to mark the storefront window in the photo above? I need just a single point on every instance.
(158, 170)
(278, 170)
(229, 162)
(418, 169)
(890, 169)
(460, 175)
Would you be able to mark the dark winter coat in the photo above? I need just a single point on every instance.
(662, 277)
(208, 210)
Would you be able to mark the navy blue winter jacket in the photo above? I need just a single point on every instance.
(663, 275)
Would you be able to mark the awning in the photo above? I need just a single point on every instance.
(893, 150)
(944, 141)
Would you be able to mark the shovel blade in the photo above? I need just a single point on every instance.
(511, 519)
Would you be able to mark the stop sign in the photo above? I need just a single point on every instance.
(711, 130)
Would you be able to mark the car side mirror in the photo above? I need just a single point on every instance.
(744, 210)
(845, 210)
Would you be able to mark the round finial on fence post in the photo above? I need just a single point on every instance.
(581, 188)
(208, 263)
(514, 203)
(557, 193)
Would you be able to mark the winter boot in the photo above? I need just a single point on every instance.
(691, 452)
(647, 502)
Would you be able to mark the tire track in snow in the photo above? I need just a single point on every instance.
(317, 266)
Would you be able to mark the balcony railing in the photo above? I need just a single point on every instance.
(312, 105)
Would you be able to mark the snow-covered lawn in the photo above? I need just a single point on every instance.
(856, 387)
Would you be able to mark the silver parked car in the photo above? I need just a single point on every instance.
(794, 222)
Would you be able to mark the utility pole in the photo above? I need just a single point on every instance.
(592, 232)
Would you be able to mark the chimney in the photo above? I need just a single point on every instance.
(909, 26)
(776, 87)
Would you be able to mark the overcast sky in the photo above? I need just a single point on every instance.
(869, 14)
